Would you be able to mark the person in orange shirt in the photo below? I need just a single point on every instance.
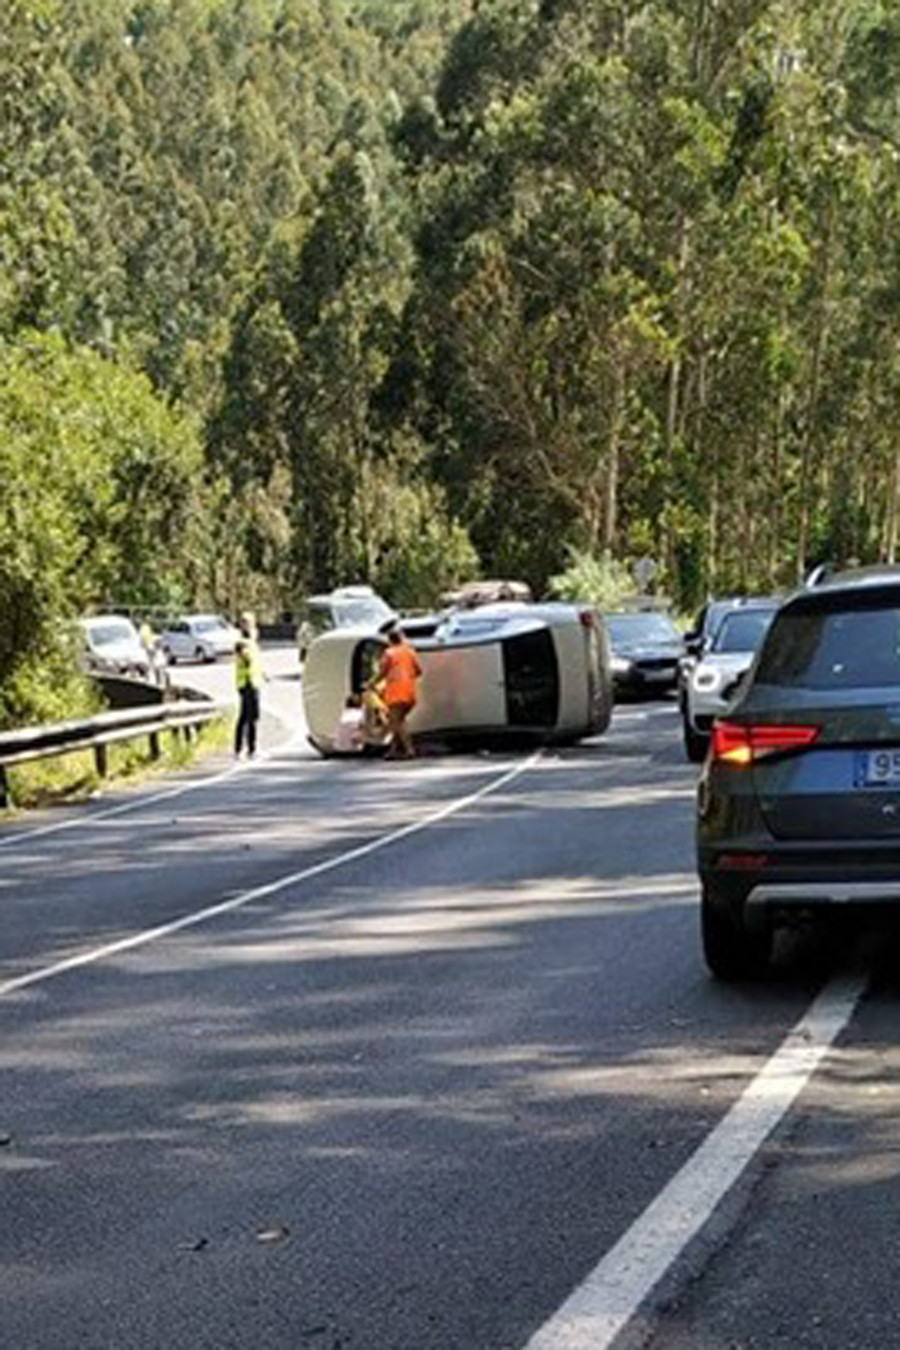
(398, 678)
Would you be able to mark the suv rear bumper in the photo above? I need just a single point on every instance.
(803, 894)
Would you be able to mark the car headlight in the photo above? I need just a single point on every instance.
(706, 680)
(620, 665)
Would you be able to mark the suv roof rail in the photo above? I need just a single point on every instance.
(818, 576)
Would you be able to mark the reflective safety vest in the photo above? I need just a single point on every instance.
(248, 667)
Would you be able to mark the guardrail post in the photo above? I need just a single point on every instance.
(96, 733)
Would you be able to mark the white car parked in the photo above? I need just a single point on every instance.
(111, 646)
(198, 637)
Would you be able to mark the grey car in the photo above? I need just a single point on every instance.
(799, 800)
(646, 651)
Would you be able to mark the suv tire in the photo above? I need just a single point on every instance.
(732, 950)
(695, 742)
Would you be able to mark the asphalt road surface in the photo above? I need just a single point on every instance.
(308, 1055)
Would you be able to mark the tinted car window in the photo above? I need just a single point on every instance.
(366, 659)
(833, 649)
(743, 631)
(641, 628)
(532, 680)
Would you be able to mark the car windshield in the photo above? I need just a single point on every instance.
(633, 629)
(834, 649)
(743, 631)
(361, 613)
(211, 625)
(102, 635)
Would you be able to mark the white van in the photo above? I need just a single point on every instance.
(518, 669)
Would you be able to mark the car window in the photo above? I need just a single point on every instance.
(833, 649)
(641, 628)
(208, 625)
(362, 613)
(466, 625)
(102, 634)
(742, 631)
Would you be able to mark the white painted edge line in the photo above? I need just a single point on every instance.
(644, 714)
(603, 1305)
(24, 837)
(236, 902)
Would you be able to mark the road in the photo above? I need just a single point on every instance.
(282, 711)
(346, 1056)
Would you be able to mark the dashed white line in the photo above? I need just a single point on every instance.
(603, 1306)
(236, 902)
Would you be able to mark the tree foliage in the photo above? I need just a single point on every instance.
(395, 291)
(98, 504)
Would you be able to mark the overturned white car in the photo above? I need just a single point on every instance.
(516, 669)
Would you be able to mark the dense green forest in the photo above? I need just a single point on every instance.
(296, 292)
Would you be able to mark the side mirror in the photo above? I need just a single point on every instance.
(693, 644)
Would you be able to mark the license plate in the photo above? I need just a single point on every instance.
(878, 768)
(658, 676)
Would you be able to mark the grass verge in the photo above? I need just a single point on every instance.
(74, 777)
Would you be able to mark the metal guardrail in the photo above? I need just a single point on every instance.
(96, 733)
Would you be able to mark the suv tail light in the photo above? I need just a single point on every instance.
(742, 744)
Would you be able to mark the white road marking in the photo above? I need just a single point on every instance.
(600, 1309)
(24, 837)
(239, 901)
(645, 714)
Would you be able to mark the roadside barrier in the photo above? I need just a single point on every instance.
(96, 733)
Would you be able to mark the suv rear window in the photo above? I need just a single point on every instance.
(833, 649)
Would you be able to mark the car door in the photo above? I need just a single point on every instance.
(181, 641)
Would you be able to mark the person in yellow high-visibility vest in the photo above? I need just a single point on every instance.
(248, 678)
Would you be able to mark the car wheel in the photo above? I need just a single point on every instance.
(732, 950)
(695, 742)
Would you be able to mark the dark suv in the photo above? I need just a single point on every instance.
(799, 801)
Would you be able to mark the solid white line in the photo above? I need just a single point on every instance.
(599, 1310)
(645, 714)
(24, 837)
(236, 902)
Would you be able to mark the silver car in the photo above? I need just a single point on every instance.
(198, 637)
(111, 646)
(712, 682)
